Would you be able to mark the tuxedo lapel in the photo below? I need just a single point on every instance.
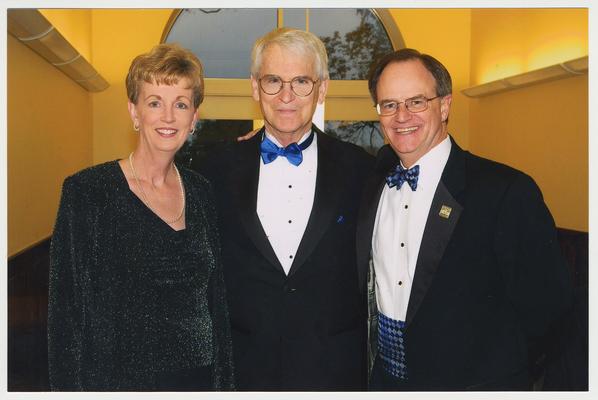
(442, 219)
(365, 226)
(245, 178)
(327, 193)
(369, 206)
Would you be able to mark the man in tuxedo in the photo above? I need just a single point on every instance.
(459, 253)
(287, 202)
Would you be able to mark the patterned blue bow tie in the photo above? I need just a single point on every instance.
(293, 152)
(401, 175)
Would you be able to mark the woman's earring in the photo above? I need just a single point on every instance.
(136, 127)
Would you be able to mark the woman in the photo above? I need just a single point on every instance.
(136, 297)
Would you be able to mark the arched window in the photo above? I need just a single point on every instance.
(223, 38)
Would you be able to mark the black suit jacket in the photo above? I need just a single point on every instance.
(488, 278)
(304, 331)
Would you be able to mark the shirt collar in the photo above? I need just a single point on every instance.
(432, 163)
(273, 139)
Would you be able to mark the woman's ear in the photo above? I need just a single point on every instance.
(133, 113)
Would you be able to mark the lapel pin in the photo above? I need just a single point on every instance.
(445, 211)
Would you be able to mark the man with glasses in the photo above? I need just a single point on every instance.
(288, 202)
(467, 270)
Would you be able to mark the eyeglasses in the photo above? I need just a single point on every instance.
(414, 105)
(300, 85)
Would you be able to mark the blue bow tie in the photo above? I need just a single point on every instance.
(401, 175)
(293, 152)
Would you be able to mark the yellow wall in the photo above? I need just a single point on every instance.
(507, 42)
(110, 39)
(74, 25)
(117, 37)
(49, 138)
(445, 35)
(73, 129)
(541, 129)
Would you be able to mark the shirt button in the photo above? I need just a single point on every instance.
(402, 244)
(290, 221)
(406, 206)
(400, 283)
(291, 256)
(290, 186)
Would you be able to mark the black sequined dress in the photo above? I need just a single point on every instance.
(133, 304)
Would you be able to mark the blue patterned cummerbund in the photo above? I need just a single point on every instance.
(391, 346)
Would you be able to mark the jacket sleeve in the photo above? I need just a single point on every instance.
(536, 277)
(70, 252)
(223, 361)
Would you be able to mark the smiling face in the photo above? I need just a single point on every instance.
(411, 135)
(287, 116)
(165, 115)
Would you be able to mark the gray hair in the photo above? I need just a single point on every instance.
(301, 42)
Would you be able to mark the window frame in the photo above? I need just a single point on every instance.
(227, 98)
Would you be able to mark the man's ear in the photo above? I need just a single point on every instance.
(445, 106)
(322, 90)
(255, 89)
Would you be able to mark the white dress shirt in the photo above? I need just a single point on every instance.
(285, 198)
(398, 232)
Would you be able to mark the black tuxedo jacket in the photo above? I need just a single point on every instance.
(304, 331)
(489, 275)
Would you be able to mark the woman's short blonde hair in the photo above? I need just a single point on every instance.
(166, 64)
(301, 42)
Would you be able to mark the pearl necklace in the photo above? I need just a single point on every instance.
(144, 196)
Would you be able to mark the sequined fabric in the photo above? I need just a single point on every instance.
(132, 301)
